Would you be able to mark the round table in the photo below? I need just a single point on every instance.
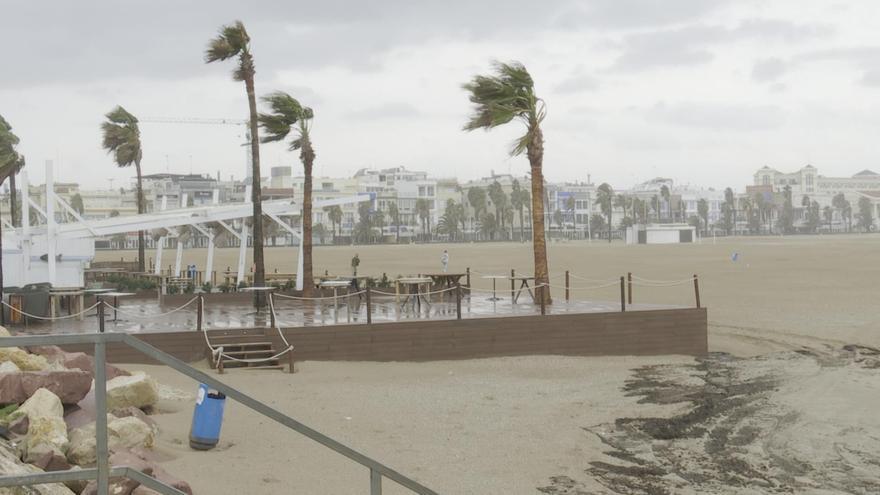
(336, 285)
(115, 296)
(414, 283)
(495, 278)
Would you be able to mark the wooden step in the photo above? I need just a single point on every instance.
(255, 353)
(266, 367)
(242, 344)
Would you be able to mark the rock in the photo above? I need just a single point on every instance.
(45, 435)
(122, 434)
(42, 402)
(132, 411)
(9, 367)
(4, 332)
(11, 465)
(21, 358)
(138, 390)
(118, 486)
(75, 360)
(20, 425)
(52, 462)
(142, 490)
(131, 432)
(69, 385)
(137, 461)
(79, 485)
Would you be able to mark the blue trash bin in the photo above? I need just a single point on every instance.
(207, 419)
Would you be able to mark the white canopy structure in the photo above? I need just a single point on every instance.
(58, 253)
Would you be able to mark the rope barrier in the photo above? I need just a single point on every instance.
(650, 281)
(49, 318)
(217, 351)
(562, 287)
(430, 293)
(342, 296)
(671, 283)
(598, 280)
(150, 315)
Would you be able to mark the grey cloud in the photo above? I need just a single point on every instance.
(636, 13)
(689, 45)
(865, 58)
(769, 69)
(715, 116)
(578, 83)
(392, 110)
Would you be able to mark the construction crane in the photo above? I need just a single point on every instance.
(204, 121)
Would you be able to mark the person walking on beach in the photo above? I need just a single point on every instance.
(444, 260)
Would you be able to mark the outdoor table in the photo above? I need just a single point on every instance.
(57, 294)
(413, 290)
(444, 280)
(495, 279)
(336, 285)
(524, 284)
(115, 296)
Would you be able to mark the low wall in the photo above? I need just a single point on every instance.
(651, 332)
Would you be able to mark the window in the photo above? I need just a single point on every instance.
(765, 180)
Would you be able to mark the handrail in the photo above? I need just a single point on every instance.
(377, 469)
(87, 474)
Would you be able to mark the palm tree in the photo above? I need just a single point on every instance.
(605, 200)
(10, 162)
(394, 213)
(745, 205)
(570, 206)
(840, 203)
(620, 201)
(76, 202)
(730, 219)
(703, 212)
(499, 98)
(499, 201)
(233, 41)
(423, 209)
(334, 213)
(667, 198)
(477, 199)
(289, 115)
(122, 138)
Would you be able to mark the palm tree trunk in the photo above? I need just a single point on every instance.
(308, 282)
(256, 196)
(539, 243)
(522, 227)
(141, 210)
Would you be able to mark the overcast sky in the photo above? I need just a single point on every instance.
(701, 91)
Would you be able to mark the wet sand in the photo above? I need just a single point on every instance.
(791, 409)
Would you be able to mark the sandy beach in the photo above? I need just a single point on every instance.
(785, 403)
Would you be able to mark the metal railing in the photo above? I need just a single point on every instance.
(103, 471)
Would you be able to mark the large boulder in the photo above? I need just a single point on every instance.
(122, 434)
(74, 360)
(137, 390)
(69, 385)
(24, 360)
(118, 486)
(139, 462)
(9, 367)
(47, 432)
(11, 465)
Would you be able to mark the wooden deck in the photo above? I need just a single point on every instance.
(649, 332)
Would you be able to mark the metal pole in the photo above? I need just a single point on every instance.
(468, 275)
(458, 300)
(622, 294)
(567, 285)
(201, 305)
(629, 278)
(375, 482)
(369, 306)
(272, 308)
(103, 458)
(697, 289)
(100, 314)
(512, 284)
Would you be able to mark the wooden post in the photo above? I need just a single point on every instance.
(468, 275)
(697, 289)
(458, 300)
(629, 295)
(543, 300)
(291, 364)
(567, 285)
(512, 284)
(369, 306)
(272, 308)
(100, 314)
(200, 307)
(622, 294)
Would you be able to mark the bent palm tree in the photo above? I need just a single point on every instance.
(233, 41)
(287, 114)
(499, 98)
(10, 163)
(122, 139)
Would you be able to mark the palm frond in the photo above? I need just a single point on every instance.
(231, 41)
(121, 137)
